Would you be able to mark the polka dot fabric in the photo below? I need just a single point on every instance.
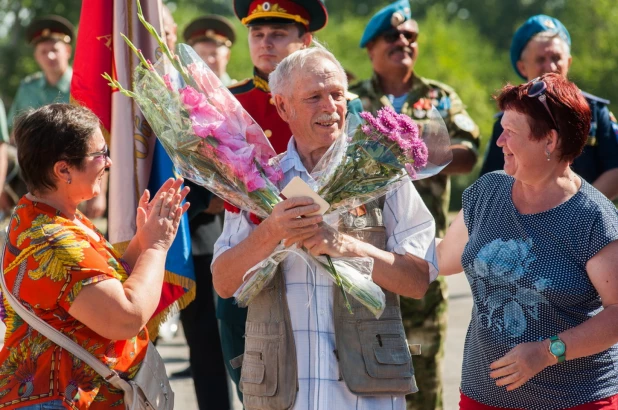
(528, 280)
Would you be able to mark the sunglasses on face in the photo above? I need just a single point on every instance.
(393, 35)
(537, 90)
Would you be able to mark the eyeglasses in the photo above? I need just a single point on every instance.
(393, 35)
(104, 152)
(537, 90)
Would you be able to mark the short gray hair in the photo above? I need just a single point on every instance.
(280, 79)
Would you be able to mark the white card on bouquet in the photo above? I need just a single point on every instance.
(297, 187)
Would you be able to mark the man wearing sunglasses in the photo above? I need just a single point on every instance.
(391, 42)
(543, 45)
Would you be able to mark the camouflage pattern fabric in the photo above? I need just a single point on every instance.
(425, 319)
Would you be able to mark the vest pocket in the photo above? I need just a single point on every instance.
(385, 349)
(259, 373)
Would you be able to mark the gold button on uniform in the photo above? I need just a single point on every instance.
(268, 133)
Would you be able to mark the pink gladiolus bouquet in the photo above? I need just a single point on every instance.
(210, 138)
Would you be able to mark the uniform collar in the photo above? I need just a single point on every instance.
(259, 82)
(418, 84)
(64, 84)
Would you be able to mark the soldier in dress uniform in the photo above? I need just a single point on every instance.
(390, 38)
(277, 28)
(212, 38)
(51, 38)
(543, 45)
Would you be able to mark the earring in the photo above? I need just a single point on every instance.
(548, 155)
(69, 181)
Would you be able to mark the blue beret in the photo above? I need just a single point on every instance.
(390, 16)
(532, 26)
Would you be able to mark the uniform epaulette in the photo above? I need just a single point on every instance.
(32, 77)
(350, 96)
(242, 86)
(589, 96)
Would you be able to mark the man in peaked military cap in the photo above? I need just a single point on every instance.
(390, 38)
(277, 28)
(543, 45)
(212, 38)
(51, 38)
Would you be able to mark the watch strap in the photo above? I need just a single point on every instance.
(553, 339)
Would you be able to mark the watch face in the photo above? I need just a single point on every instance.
(557, 348)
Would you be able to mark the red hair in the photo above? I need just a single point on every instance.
(566, 103)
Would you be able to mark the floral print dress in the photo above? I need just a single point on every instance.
(48, 261)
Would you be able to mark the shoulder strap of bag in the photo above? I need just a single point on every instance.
(54, 335)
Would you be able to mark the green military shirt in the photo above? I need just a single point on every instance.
(4, 131)
(424, 94)
(34, 91)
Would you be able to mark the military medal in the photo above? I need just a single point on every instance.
(360, 222)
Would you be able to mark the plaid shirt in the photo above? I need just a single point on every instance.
(410, 229)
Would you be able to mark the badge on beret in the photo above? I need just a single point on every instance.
(549, 24)
(464, 122)
(397, 19)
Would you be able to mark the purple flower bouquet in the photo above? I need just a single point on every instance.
(379, 155)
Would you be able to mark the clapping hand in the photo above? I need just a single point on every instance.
(158, 219)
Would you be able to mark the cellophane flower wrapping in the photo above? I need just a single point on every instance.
(210, 138)
(378, 154)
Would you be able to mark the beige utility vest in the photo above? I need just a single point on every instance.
(373, 354)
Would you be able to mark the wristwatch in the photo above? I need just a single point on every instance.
(557, 348)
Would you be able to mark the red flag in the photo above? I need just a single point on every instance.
(100, 49)
(93, 57)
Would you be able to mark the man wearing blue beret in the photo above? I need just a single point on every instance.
(390, 38)
(543, 45)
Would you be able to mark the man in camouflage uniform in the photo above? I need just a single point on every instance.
(390, 38)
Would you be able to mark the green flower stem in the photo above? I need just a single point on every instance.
(339, 283)
(115, 84)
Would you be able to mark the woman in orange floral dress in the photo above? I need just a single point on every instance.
(63, 270)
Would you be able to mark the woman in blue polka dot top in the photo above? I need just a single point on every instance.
(539, 246)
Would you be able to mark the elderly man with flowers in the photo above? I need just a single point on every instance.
(303, 348)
